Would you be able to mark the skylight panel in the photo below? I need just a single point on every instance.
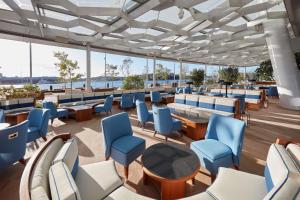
(171, 15)
(237, 22)
(60, 16)
(148, 16)
(208, 5)
(135, 30)
(81, 30)
(153, 32)
(25, 4)
(4, 6)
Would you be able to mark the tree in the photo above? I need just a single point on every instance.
(125, 67)
(67, 68)
(197, 76)
(112, 72)
(133, 82)
(229, 74)
(265, 71)
(161, 72)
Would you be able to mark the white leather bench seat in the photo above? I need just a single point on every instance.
(125, 194)
(97, 180)
(239, 185)
(180, 106)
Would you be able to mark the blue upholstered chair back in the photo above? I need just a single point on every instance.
(108, 102)
(51, 106)
(2, 116)
(272, 91)
(12, 144)
(155, 96)
(39, 118)
(163, 122)
(139, 96)
(114, 127)
(127, 101)
(142, 111)
(241, 97)
(187, 90)
(229, 131)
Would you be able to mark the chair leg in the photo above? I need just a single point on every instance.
(107, 158)
(22, 161)
(52, 121)
(126, 169)
(166, 138)
(44, 138)
(236, 167)
(154, 133)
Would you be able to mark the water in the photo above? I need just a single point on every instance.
(94, 84)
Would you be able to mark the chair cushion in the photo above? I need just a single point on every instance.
(97, 180)
(126, 144)
(39, 186)
(233, 185)
(212, 149)
(125, 194)
(126, 149)
(62, 184)
(282, 174)
(69, 155)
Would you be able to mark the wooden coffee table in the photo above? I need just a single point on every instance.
(172, 165)
(16, 117)
(81, 112)
(194, 124)
(167, 99)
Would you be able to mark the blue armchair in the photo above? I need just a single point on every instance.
(164, 124)
(119, 142)
(54, 112)
(222, 145)
(2, 116)
(126, 101)
(38, 124)
(142, 113)
(272, 91)
(139, 96)
(13, 144)
(107, 106)
(155, 97)
(179, 90)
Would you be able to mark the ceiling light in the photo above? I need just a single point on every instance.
(180, 13)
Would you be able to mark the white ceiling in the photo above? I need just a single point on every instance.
(227, 32)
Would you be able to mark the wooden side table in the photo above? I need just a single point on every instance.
(82, 112)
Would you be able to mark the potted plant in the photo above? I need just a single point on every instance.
(197, 77)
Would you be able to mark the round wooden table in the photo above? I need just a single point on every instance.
(172, 165)
(4, 125)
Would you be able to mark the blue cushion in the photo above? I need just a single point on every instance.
(212, 149)
(206, 105)
(62, 112)
(251, 96)
(224, 108)
(268, 178)
(182, 101)
(191, 103)
(126, 144)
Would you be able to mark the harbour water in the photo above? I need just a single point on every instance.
(94, 84)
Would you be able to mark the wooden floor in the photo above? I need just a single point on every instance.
(266, 125)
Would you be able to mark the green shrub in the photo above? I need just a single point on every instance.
(133, 82)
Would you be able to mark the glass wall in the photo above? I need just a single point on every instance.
(14, 63)
(44, 71)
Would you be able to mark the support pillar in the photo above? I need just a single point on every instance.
(154, 73)
(147, 74)
(180, 74)
(245, 75)
(284, 63)
(105, 70)
(205, 74)
(30, 63)
(88, 68)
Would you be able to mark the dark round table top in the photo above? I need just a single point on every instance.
(170, 161)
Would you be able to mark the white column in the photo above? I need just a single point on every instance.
(147, 72)
(105, 70)
(154, 75)
(88, 68)
(284, 64)
(245, 75)
(205, 74)
(180, 73)
(30, 62)
(174, 72)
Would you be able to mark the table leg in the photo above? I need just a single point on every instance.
(145, 178)
(172, 190)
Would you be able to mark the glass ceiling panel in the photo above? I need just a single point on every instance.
(148, 16)
(125, 4)
(4, 6)
(60, 16)
(81, 30)
(208, 5)
(171, 15)
(237, 22)
(24, 4)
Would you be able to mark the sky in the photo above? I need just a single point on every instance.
(14, 61)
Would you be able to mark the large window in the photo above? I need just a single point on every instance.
(14, 62)
(45, 72)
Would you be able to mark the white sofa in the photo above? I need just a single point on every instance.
(101, 181)
(199, 103)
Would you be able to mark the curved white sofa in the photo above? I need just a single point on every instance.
(44, 179)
